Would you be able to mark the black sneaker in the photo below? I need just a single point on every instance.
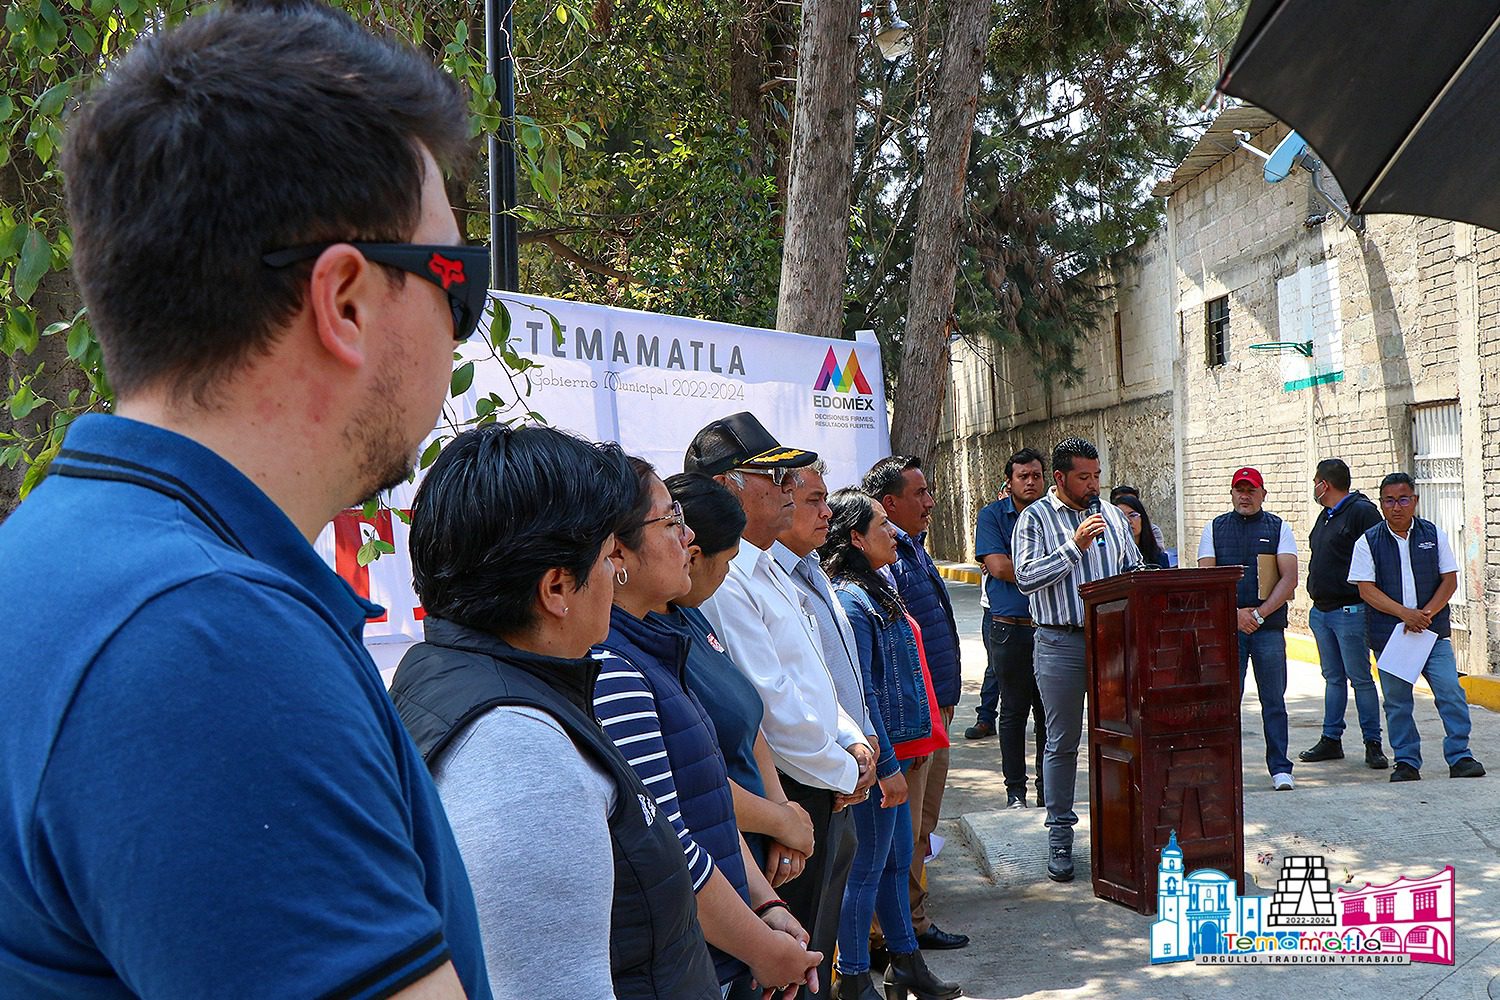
(1375, 756)
(1405, 772)
(1466, 768)
(1324, 749)
(979, 731)
(1060, 868)
(1016, 802)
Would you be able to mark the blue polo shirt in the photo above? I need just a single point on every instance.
(204, 790)
(992, 536)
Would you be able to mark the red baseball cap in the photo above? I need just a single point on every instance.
(1248, 475)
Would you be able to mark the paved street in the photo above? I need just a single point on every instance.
(1033, 938)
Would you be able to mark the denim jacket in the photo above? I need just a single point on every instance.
(891, 670)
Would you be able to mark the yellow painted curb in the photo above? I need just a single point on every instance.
(1482, 691)
(959, 573)
(1301, 647)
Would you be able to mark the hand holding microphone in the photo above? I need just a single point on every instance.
(1091, 531)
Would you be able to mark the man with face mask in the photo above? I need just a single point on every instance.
(1240, 538)
(1406, 573)
(1064, 540)
(1338, 615)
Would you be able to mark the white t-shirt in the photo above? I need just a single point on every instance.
(1362, 564)
(1286, 545)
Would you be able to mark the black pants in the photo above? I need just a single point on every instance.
(1010, 649)
(816, 897)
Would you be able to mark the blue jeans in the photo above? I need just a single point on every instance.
(1344, 656)
(1267, 648)
(1453, 708)
(877, 884)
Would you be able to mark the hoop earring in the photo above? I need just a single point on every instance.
(622, 577)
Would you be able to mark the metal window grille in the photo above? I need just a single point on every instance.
(1216, 331)
(1437, 447)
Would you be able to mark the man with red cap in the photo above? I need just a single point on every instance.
(1240, 538)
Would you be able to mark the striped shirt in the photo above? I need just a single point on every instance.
(1049, 566)
(626, 709)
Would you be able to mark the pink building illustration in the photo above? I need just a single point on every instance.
(1410, 915)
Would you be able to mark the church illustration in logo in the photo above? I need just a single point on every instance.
(834, 378)
(1194, 912)
(1202, 913)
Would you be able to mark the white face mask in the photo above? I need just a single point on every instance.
(1317, 496)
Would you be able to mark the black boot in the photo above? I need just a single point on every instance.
(858, 986)
(909, 976)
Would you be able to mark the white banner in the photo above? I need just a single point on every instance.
(649, 382)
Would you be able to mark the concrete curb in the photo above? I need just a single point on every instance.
(960, 573)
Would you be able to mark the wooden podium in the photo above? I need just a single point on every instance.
(1164, 727)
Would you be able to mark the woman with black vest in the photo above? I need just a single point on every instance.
(898, 694)
(779, 831)
(643, 702)
(578, 877)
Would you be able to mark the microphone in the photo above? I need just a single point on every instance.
(1095, 507)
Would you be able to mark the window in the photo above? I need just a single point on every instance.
(1437, 448)
(1385, 907)
(1216, 331)
(1418, 935)
(1425, 904)
(1354, 912)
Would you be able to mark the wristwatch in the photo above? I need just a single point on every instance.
(1255, 613)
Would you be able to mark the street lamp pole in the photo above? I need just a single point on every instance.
(504, 241)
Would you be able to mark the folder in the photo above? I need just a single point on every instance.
(1268, 573)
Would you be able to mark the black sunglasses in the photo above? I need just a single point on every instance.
(462, 272)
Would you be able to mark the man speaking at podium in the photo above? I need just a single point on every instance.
(1062, 541)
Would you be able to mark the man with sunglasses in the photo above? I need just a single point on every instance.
(207, 790)
(1406, 574)
(820, 751)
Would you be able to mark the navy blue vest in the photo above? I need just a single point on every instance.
(656, 947)
(926, 597)
(1423, 544)
(1238, 541)
(703, 796)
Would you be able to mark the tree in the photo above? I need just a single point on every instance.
(815, 251)
(923, 378)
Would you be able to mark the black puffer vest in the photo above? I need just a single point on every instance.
(656, 947)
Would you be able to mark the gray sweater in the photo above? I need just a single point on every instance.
(531, 816)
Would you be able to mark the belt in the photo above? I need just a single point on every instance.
(1347, 609)
(1061, 628)
(1007, 619)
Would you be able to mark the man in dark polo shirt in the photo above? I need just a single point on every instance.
(1009, 677)
(205, 791)
(1338, 615)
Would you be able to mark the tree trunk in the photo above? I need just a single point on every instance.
(954, 90)
(815, 251)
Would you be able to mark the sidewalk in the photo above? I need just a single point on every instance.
(1035, 938)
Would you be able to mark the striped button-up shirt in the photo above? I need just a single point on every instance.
(1049, 565)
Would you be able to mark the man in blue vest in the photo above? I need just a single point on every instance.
(900, 485)
(1240, 538)
(1406, 574)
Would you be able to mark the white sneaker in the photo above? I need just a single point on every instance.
(1281, 782)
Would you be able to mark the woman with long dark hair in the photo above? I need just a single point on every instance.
(898, 694)
(644, 704)
(1141, 530)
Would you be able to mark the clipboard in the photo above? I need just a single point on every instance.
(1268, 574)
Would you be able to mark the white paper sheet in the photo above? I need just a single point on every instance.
(936, 842)
(1406, 653)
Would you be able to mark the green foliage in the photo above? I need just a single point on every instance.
(50, 50)
(1082, 103)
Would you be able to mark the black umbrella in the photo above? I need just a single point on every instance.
(1400, 99)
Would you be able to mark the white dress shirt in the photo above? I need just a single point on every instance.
(1362, 563)
(760, 620)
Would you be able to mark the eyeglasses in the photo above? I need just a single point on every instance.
(778, 474)
(1134, 515)
(674, 519)
(462, 272)
(1402, 502)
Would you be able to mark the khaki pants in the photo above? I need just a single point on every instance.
(924, 790)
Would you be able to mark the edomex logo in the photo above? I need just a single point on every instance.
(842, 379)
